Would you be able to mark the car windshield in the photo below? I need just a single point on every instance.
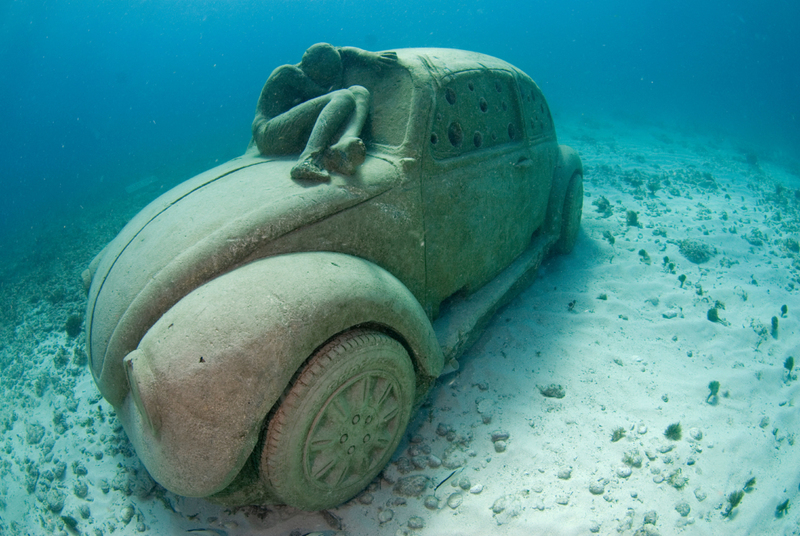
(391, 92)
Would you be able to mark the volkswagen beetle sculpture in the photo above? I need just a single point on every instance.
(265, 339)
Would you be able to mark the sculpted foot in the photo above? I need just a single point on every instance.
(308, 171)
(345, 156)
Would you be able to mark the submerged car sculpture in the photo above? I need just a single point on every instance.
(266, 339)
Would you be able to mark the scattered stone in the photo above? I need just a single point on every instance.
(80, 488)
(696, 252)
(333, 520)
(412, 486)
(650, 517)
(624, 471)
(552, 391)
(85, 511)
(416, 523)
(454, 459)
(597, 488)
(464, 483)
(385, 515)
(70, 522)
(632, 458)
(442, 429)
(500, 435)
(500, 446)
(485, 408)
(126, 514)
(455, 500)
(434, 461)
(79, 469)
(676, 479)
(420, 462)
(55, 500)
(565, 474)
(507, 507)
(683, 509)
(696, 434)
(366, 498)
(476, 489)
(563, 500)
(34, 432)
(700, 495)
(431, 502)
(594, 527)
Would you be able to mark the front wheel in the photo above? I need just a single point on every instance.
(571, 215)
(340, 421)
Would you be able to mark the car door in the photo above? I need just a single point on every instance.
(479, 182)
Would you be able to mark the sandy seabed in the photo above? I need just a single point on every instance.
(555, 421)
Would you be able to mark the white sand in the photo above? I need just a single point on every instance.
(620, 360)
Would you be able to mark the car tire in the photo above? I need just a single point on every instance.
(340, 421)
(571, 215)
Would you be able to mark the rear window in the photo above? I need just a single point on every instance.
(475, 110)
(539, 122)
(391, 91)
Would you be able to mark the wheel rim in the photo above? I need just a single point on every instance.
(353, 430)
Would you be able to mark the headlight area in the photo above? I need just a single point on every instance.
(141, 381)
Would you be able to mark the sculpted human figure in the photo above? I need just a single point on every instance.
(303, 107)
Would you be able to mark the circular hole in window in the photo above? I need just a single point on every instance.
(455, 134)
(450, 95)
(497, 86)
(477, 139)
(483, 104)
(434, 138)
(471, 86)
(512, 131)
(504, 105)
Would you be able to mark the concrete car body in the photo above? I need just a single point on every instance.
(205, 306)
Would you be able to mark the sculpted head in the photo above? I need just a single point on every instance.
(322, 63)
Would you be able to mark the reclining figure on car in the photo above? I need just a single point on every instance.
(303, 107)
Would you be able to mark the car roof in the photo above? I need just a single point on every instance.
(445, 61)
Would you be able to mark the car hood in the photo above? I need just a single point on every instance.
(200, 229)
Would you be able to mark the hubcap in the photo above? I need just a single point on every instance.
(353, 430)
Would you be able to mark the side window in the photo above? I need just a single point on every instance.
(475, 110)
(539, 122)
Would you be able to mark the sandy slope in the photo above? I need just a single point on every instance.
(629, 344)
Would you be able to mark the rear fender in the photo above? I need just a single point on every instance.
(207, 373)
(567, 165)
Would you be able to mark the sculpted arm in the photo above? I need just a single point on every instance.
(353, 55)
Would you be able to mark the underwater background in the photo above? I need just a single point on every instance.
(684, 112)
(98, 95)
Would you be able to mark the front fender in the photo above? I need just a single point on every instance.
(206, 374)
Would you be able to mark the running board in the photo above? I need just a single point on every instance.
(462, 321)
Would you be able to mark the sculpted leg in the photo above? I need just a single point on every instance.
(349, 152)
(340, 106)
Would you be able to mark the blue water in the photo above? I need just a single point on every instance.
(96, 95)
